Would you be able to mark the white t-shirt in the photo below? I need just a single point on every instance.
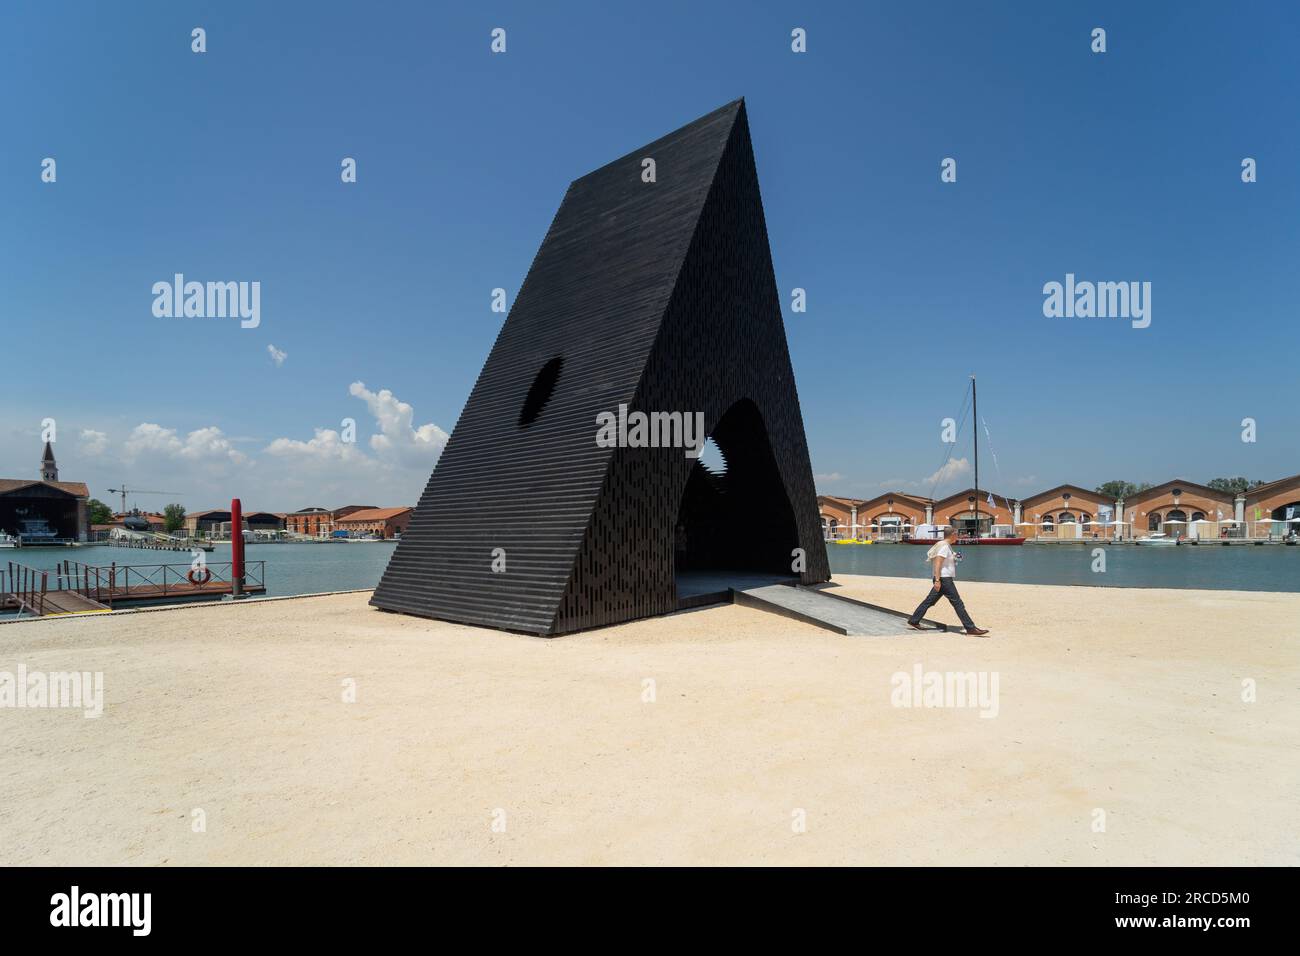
(943, 550)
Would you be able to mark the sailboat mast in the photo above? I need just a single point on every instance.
(975, 410)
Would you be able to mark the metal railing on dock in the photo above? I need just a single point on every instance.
(135, 582)
(28, 589)
(72, 587)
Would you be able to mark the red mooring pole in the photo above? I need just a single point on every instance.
(236, 548)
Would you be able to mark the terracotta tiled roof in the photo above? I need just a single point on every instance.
(373, 514)
(1074, 490)
(1188, 486)
(77, 488)
(983, 497)
(899, 498)
(1270, 485)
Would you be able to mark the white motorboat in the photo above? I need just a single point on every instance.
(1157, 539)
(7, 540)
(36, 531)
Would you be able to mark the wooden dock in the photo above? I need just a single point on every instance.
(53, 602)
(155, 542)
(75, 588)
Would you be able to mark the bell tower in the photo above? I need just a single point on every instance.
(49, 468)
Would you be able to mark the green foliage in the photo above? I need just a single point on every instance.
(1122, 489)
(1235, 486)
(98, 512)
(173, 518)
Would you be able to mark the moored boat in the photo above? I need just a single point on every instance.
(36, 531)
(1157, 539)
(963, 540)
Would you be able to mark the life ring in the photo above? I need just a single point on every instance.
(194, 574)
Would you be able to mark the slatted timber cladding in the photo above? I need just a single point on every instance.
(660, 296)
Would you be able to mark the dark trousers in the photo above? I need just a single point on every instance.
(948, 589)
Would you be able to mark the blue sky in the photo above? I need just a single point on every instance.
(1122, 166)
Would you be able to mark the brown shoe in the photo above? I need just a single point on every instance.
(915, 627)
(976, 632)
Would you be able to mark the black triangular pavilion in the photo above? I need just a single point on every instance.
(660, 296)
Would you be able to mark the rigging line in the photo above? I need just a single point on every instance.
(938, 475)
(996, 467)
(951, 447)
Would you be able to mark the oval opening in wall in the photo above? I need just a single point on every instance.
(540, 392)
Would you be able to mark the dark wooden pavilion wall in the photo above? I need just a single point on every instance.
(657, 295)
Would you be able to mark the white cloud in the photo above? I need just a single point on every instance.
(205, 445)
(952, 469)
(833, 476)
(277, 356)
(398, 439)
(92, 443)
(387, 464)
(327, 446)
(391, 468)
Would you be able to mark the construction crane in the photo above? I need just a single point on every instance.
(124, 491)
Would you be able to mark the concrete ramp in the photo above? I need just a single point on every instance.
(842, 615)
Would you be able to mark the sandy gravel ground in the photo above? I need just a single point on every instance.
(768, 741)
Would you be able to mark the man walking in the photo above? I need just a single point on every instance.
(943, 567)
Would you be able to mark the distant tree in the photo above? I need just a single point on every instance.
(173, 518)
(99, 512)
(1122, 489)
(1235, 486)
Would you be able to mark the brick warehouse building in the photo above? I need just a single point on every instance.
(381, 522)
(1176, 507)
(316, 522)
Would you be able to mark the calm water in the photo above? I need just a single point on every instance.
(1248, 568)
(290, 568)
(309, 568)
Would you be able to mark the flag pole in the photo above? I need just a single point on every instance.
(975, 410)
